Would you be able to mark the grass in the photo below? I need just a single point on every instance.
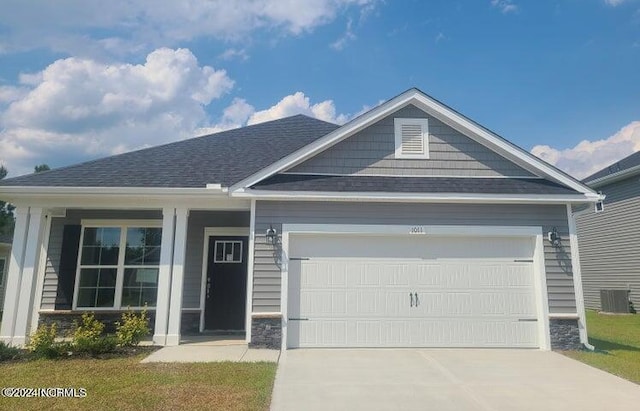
(125, 384)
(617, 342)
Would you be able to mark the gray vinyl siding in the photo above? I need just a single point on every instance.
(198, 221)
(54, 249)
(371, 152)
(610, 243)
(267, 276)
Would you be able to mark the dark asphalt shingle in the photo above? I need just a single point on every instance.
(225, 158)
(628, 162)
(296, 182)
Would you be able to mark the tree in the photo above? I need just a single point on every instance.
(40, 168)
(6, 210)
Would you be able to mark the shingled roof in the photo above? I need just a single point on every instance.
(293, 182)
(222, 158)
(619, 166)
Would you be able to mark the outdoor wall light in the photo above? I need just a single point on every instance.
(272, 235)
(554, 237)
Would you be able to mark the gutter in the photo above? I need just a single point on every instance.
(612, 178)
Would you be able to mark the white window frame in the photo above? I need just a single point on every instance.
(123, 225)
(3, 270)
(397, 126)
(215, 254)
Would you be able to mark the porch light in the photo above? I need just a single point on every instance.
(554, 237)
(272, 235)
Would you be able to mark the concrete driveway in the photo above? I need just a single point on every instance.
(406, 379)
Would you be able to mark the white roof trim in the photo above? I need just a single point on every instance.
(438, 110)
(101, 191)
(414, 197)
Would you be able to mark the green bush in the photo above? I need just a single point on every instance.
(89, 329)
(101, 345)
(8, 352)
(42, 343)
(133, 328)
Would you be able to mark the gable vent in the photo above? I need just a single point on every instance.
(412, 141)
(411, 135)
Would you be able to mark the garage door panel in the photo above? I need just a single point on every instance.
(463, 302)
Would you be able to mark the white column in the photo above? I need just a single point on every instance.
(250, 256)
(22, 271)
(12, 280)
(29, 271)
(577, 278)
(164, 277)
(177, 277)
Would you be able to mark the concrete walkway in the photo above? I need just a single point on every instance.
(212, 350)
(461, 380)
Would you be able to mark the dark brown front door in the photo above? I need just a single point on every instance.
(226, 287)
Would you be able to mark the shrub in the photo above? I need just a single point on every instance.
(133, 328)
(43, 342)
(8, 352)
(101, 345)
(89, 328)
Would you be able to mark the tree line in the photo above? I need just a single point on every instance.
(6, 210)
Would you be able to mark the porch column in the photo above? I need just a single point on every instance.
(19, 292)
(164, 277)
(177, 277)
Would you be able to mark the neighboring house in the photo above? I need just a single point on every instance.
(409, 226)
(610, 236)
(5, 253)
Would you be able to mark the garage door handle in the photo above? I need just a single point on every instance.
(411, 299)
(298, 319)
(417, 300)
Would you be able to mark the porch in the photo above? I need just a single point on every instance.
(189, 265)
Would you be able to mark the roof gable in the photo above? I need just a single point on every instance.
(372, 151)
(444, 114)
(222, 158)
(621, 169)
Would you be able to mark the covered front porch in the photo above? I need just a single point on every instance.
(188, 264)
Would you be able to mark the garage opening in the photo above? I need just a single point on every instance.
(411, 291)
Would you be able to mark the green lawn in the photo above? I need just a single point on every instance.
(617, 342)
(125, 384)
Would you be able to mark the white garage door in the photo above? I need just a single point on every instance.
(411, 292)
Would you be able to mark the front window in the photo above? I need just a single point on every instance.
(118, 266)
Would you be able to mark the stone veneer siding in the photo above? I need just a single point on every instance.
(190, 323)
(565, 334)
(266, 332)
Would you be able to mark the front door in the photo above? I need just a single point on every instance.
(226, 286)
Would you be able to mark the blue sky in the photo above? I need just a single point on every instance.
(86, 79)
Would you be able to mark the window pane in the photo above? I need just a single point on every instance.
(141, 277)
(109, 255)
(107, 277)
(219, 251)
(152, 256)
(237, 250)
(110, 236)
(90, 256)
(149, 296)
(105, 297)
(86, 297)
(143, 246)
(91, 237)
(131, 297)
(89, 277)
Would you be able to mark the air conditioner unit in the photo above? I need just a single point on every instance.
(614, 301)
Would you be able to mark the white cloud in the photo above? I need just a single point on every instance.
(232, 54)
(89, 28)
(298, 103)
(346, 38)
(614, 3)
(76, 108)
(587, 157)
(505, 6)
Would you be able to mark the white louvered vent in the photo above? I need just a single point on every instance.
(411, 135)
(412, 141)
